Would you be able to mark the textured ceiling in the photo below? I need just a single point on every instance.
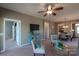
(70, 11)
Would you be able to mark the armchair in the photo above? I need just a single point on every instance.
(62, 48)
(37, 49)
(54, 38)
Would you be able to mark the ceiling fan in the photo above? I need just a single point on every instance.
(51, 9)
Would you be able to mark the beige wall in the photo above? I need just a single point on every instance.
(51, 26)
(26, 20)
(1, 37)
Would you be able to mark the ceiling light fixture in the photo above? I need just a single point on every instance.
(51, 9)
(65, 26)
(49, 12)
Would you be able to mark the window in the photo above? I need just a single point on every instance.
(77, 29)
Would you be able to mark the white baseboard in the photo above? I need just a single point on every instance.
(25, 44)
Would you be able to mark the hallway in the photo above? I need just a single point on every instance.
(10, 44)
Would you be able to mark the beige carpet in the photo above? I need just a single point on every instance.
(10, 44)
(20, 51)
(51, 51)
(28, 51)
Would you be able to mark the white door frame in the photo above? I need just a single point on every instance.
(13, 31)
(17, 21)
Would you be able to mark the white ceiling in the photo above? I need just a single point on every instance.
(70, 11)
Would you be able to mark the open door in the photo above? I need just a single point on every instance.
(18, 33)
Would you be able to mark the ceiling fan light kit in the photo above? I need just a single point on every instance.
(51, 9)
(49, 12)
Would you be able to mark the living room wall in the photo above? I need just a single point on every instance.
(26, 20)
(1, 30)
(51, 28)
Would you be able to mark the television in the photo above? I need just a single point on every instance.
(34, 27)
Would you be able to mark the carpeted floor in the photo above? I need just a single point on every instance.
(10, 44)
(21, 51)
(73, 43)
(49, 50)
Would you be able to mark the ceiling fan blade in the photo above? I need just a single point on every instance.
(45, 14)
(58, 8)
(54, 14)
(41, 11)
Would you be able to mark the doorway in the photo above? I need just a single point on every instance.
(12, 34)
